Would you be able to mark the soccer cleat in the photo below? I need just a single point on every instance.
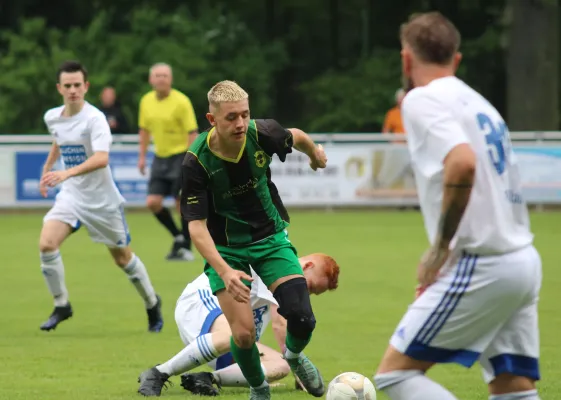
(263, 393)
(58, 315)
(155, 318)
(186, 254)
(298, 385)
(152, 381)
(180, 252)
(201, 383)
(308, 374)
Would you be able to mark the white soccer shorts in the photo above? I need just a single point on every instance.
(194, 316)
(484, 308)
(107, 226)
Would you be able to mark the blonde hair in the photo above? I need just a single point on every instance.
(225, 92)
(432, 37)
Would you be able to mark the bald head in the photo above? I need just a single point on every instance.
(161, 78)
(160, 67)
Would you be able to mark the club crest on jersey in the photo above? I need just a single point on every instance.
(260, 159)
(288, 140)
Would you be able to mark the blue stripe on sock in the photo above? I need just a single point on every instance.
(203, 348)
(49, 257)
(132, 264)
(204, 340)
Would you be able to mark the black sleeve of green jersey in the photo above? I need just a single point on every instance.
(194, 194)
(273, 138)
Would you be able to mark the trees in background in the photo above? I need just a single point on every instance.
(323, 65)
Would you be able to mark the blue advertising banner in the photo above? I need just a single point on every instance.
(133, 185)
(29, 165)
(540, 170)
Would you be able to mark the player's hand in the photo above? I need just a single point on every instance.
(318, 159)
(430, 265)
(419, 290)
(53, 178)
(142, 165)
(42, 186)
(234, 285)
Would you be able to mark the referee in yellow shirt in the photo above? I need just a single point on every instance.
(167, 116)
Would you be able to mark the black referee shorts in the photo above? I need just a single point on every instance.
(165, 175)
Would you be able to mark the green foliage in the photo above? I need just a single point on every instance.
(356, 99)
(216, 46)
(324, 66)
(483, 65)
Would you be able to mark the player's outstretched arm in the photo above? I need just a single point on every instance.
(304, 144)
(275, 139)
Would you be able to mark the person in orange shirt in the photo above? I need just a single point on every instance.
(392, 122)
(395, 165)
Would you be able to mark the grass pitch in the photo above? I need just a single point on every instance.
(99, 353)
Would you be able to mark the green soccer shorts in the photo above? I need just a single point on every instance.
(272, 258)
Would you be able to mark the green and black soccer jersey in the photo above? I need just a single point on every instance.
(236, 196)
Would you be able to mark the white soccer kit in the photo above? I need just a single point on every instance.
(197, 309)
(92, 199)
(484, 306)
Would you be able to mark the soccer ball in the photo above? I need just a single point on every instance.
(349, 386)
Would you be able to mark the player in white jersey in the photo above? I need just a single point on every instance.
(204, 330)
(481, 276)
(88, 196)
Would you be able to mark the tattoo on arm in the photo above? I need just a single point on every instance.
(453, 212)
(459, 185)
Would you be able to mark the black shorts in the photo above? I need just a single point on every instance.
(165, 175)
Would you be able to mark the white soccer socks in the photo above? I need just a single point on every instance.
(411, 385)
(527, 395)
(53, 272)
(197, 353)
(138, 276)
(232, 376)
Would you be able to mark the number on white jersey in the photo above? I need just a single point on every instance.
(497, 138)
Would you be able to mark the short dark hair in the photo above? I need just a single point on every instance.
(432, 37)
(72, 66)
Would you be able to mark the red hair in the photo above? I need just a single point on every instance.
(331, 272)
